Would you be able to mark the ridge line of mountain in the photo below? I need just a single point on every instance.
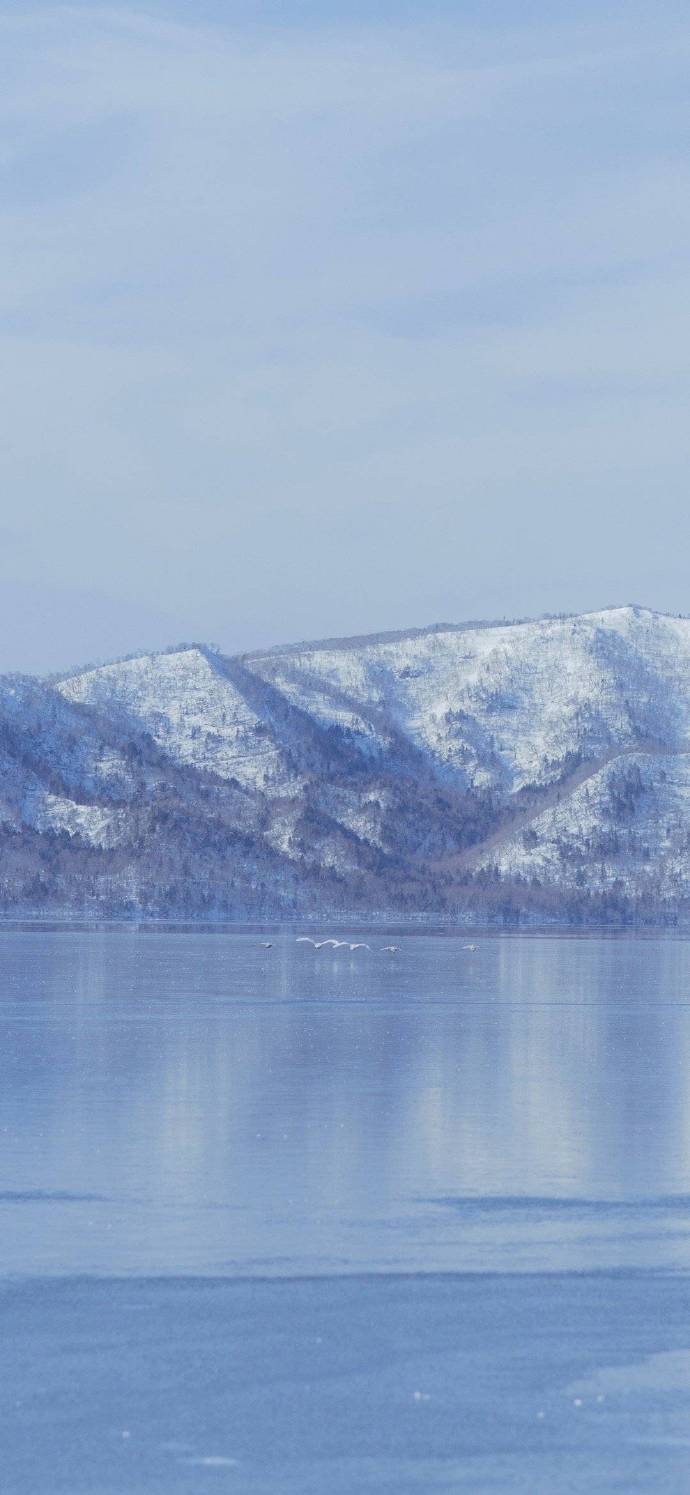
(344, 642)
(467, 626)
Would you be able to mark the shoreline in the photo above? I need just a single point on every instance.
(384, 923)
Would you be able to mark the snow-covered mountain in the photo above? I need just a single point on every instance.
(535, 768)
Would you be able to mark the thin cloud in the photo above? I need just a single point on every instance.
(391, 283)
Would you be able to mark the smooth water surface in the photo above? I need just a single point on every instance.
(419, 1220)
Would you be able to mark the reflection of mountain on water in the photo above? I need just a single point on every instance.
(196, 1103)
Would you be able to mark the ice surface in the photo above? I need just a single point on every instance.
(355, 1386)
(284, 1221)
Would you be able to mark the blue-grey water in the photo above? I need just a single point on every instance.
(283, 1220)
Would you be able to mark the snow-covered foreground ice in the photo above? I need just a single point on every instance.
(296, 1387)
(281, 1222)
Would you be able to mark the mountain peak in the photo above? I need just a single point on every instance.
(539, 766)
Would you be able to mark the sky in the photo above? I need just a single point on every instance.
(324, 318)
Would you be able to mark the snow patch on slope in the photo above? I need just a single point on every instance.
(94, 824)
(629, 825)
(192, 712)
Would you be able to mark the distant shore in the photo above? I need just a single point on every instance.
(385, 923)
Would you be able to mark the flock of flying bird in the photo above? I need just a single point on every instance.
(306, 939)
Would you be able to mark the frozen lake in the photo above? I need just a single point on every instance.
(288, 1221)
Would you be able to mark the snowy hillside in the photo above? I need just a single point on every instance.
(505, 705)
(626, 825)
(189, 708)
(537, 769)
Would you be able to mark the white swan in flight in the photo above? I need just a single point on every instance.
(306, 939)
(360, 946)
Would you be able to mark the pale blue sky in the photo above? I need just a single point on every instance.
(329, 318)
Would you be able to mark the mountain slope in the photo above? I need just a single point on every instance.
(533, 769)
(504, 705)
(626, 825)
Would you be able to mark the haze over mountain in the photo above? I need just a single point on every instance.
(527, 770)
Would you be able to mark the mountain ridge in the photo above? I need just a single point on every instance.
(500, 770)
(348, 640)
